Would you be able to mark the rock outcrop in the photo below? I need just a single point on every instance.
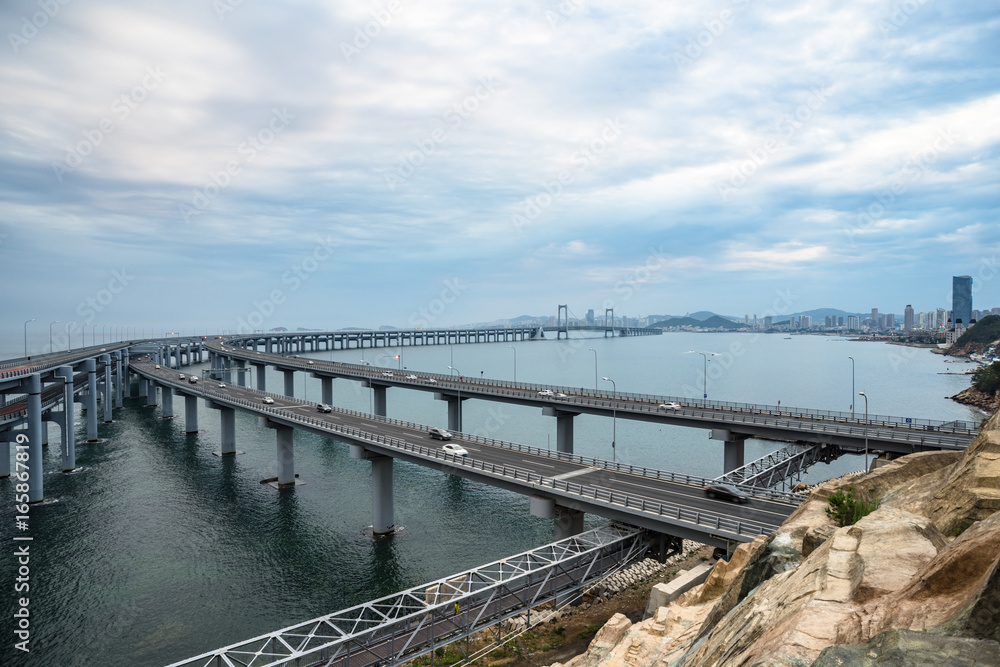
(915, 582)
(978, 399)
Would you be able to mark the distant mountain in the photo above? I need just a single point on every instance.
(713, 322)
(819, 314)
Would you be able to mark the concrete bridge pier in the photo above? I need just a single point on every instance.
(454, 410)
(327, 390)
(289, 383)
(90, 399)
(383, 512)
(734, 447)
(566, 522)
(261, 377)
(117, 362)
(167, 396)
(65, 419)
(150, 394)
(190, 413)
(227, 421)
(227, 375)
(126, 376)
(564, 428)
(379, 397)
(5, 440)
(241, 377)
(106, 388)
(34, 392)
(285, 451)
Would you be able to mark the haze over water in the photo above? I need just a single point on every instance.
(157, 550)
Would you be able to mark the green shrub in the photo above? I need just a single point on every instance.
(847, 509)
(987, 378)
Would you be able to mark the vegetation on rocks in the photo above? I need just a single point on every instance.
(847, 509)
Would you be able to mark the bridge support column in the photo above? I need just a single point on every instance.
(241, 377)
(90, 402)
(34, 391)
(126, 377)
(167, 397)
(327, 390)
(379, 401)
(289, 383)
(564, 428)
(65, 418)
(150, 394)
(117, 360)
(566, 522)
(190, 414)
(454, 410)
(733, 454)
(383, 513)
(261, 378)
(5, 437)
(106, 386)
(286, 454)
(227, 421)
(142, 386)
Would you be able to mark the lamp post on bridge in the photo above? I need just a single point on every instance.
(51, 349)
(515, 362)
(595, 366)
(852, 385)
(69, 336)
(614, 418)
(458, 411)
(861, 393)
(26, 335)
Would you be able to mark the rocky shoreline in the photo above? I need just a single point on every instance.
(977, 399)
(915, 582)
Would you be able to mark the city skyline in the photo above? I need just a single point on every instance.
(198, 165)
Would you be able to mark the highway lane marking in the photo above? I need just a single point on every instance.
(574, 473)
(538, 463)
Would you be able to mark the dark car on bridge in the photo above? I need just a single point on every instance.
(726, 492)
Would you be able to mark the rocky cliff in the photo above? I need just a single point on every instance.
(915, 582)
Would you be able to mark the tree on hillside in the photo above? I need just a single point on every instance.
(987, 378)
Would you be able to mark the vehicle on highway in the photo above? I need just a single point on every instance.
(670, 406)
(559, 394)
(181, 376)
(439, 433)
(726, 492)
(309, 362)
(432, 380)
(457, 450)
(268, 400)
(411, 377)
(546, 392)
(387, 373)
(192, 379)
(157, 366)
(222, 385)
(323, 407)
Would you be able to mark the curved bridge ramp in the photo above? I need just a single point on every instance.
(406, 625)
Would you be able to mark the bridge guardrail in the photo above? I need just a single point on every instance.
(709, 520)
(946, 426)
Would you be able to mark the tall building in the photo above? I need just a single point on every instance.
(890, 321)
(875, 322)
(768, 320)
(853, 322)
(590, 317)
(942, 318)
(805, 321)
(908, 317)
(961, 300)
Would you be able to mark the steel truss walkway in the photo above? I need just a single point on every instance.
(401, 627)
(778, 466)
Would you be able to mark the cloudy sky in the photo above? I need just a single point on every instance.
(205, 164)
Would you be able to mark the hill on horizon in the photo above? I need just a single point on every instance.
(713, 322)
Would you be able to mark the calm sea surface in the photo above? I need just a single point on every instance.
(157, 550)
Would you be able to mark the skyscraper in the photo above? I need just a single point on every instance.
(961, 300)
(875, 318)
(908, 317)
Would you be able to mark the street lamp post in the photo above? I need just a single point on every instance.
(704, 377)
(614, 418)
(458, 411)
(595, 366)
(69, 336)
(852, 385)
(515, 362)
(51, 349)
(26, 336)
(861, 393)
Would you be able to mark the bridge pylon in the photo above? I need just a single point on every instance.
(562, 325)
(609, 325)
